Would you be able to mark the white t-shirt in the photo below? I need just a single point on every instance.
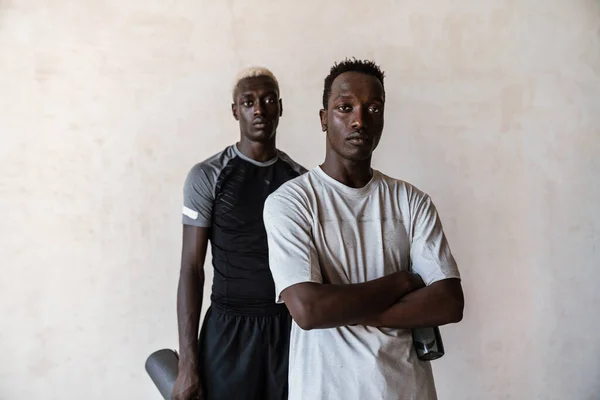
(320, 230)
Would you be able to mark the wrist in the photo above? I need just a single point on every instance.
(374, 320)
(188, 364)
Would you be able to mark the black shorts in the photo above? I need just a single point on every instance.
(245, 358)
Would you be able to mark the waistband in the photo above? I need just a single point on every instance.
(250, 310)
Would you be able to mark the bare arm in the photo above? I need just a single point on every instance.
(198, 198)
(189, 293)
(438, 304)
(319, 306)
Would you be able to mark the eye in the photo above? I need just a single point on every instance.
(344, 108)
(270, 101)
(375, 110)
(248, 103)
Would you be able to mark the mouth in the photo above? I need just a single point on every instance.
(260, 123)
(358, 140)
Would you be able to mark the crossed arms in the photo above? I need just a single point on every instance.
(398, 300)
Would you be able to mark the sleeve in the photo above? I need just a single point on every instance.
(429, 252)
(292, 253)
(198, 197)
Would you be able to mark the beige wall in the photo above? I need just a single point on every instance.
(493, 108)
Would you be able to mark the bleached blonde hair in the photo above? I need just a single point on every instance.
(253, 72)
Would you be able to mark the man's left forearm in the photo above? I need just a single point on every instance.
(438, 304)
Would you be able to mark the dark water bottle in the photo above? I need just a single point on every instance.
(428, 343)
(163, 366)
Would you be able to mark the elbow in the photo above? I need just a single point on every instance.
(305, 325)
(302, 311)
(455, 301)
(304, 317)
(456, 312)
(457, 316)
(191, 271)
(306, 306)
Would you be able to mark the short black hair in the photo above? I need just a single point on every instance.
(351, 65)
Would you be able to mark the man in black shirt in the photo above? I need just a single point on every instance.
(244, 341)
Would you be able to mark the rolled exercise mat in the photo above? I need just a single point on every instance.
(162, 366)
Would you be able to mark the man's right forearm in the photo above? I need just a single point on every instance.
(189, 307)
(320, 306)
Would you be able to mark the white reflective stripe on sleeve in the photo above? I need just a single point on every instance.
(190, 213)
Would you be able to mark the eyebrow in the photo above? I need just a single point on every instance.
(252, 93)
(346, 96)
(343, 97)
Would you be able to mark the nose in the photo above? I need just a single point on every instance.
(359, 118)
(259, 109)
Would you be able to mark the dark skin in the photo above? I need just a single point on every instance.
(353, 121)
(257, 107)
(189, 305)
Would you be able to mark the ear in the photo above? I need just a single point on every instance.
(323, 117)
(234, 111)
(280, 107)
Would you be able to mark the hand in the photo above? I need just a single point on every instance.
(187, 386)
(407, 282)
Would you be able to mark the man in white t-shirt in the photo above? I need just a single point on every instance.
(345, 242)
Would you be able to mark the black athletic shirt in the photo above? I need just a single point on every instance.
(227, 193)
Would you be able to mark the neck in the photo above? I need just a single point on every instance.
(257, 151)
(355, 174)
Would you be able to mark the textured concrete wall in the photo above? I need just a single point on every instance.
(493, 108)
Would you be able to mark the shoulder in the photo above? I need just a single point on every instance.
(298, 168)
(402, 188)
(295, 193)
(210, 168)
(300, 186)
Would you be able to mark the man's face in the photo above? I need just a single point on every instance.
(257, 107)
(354, 116)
